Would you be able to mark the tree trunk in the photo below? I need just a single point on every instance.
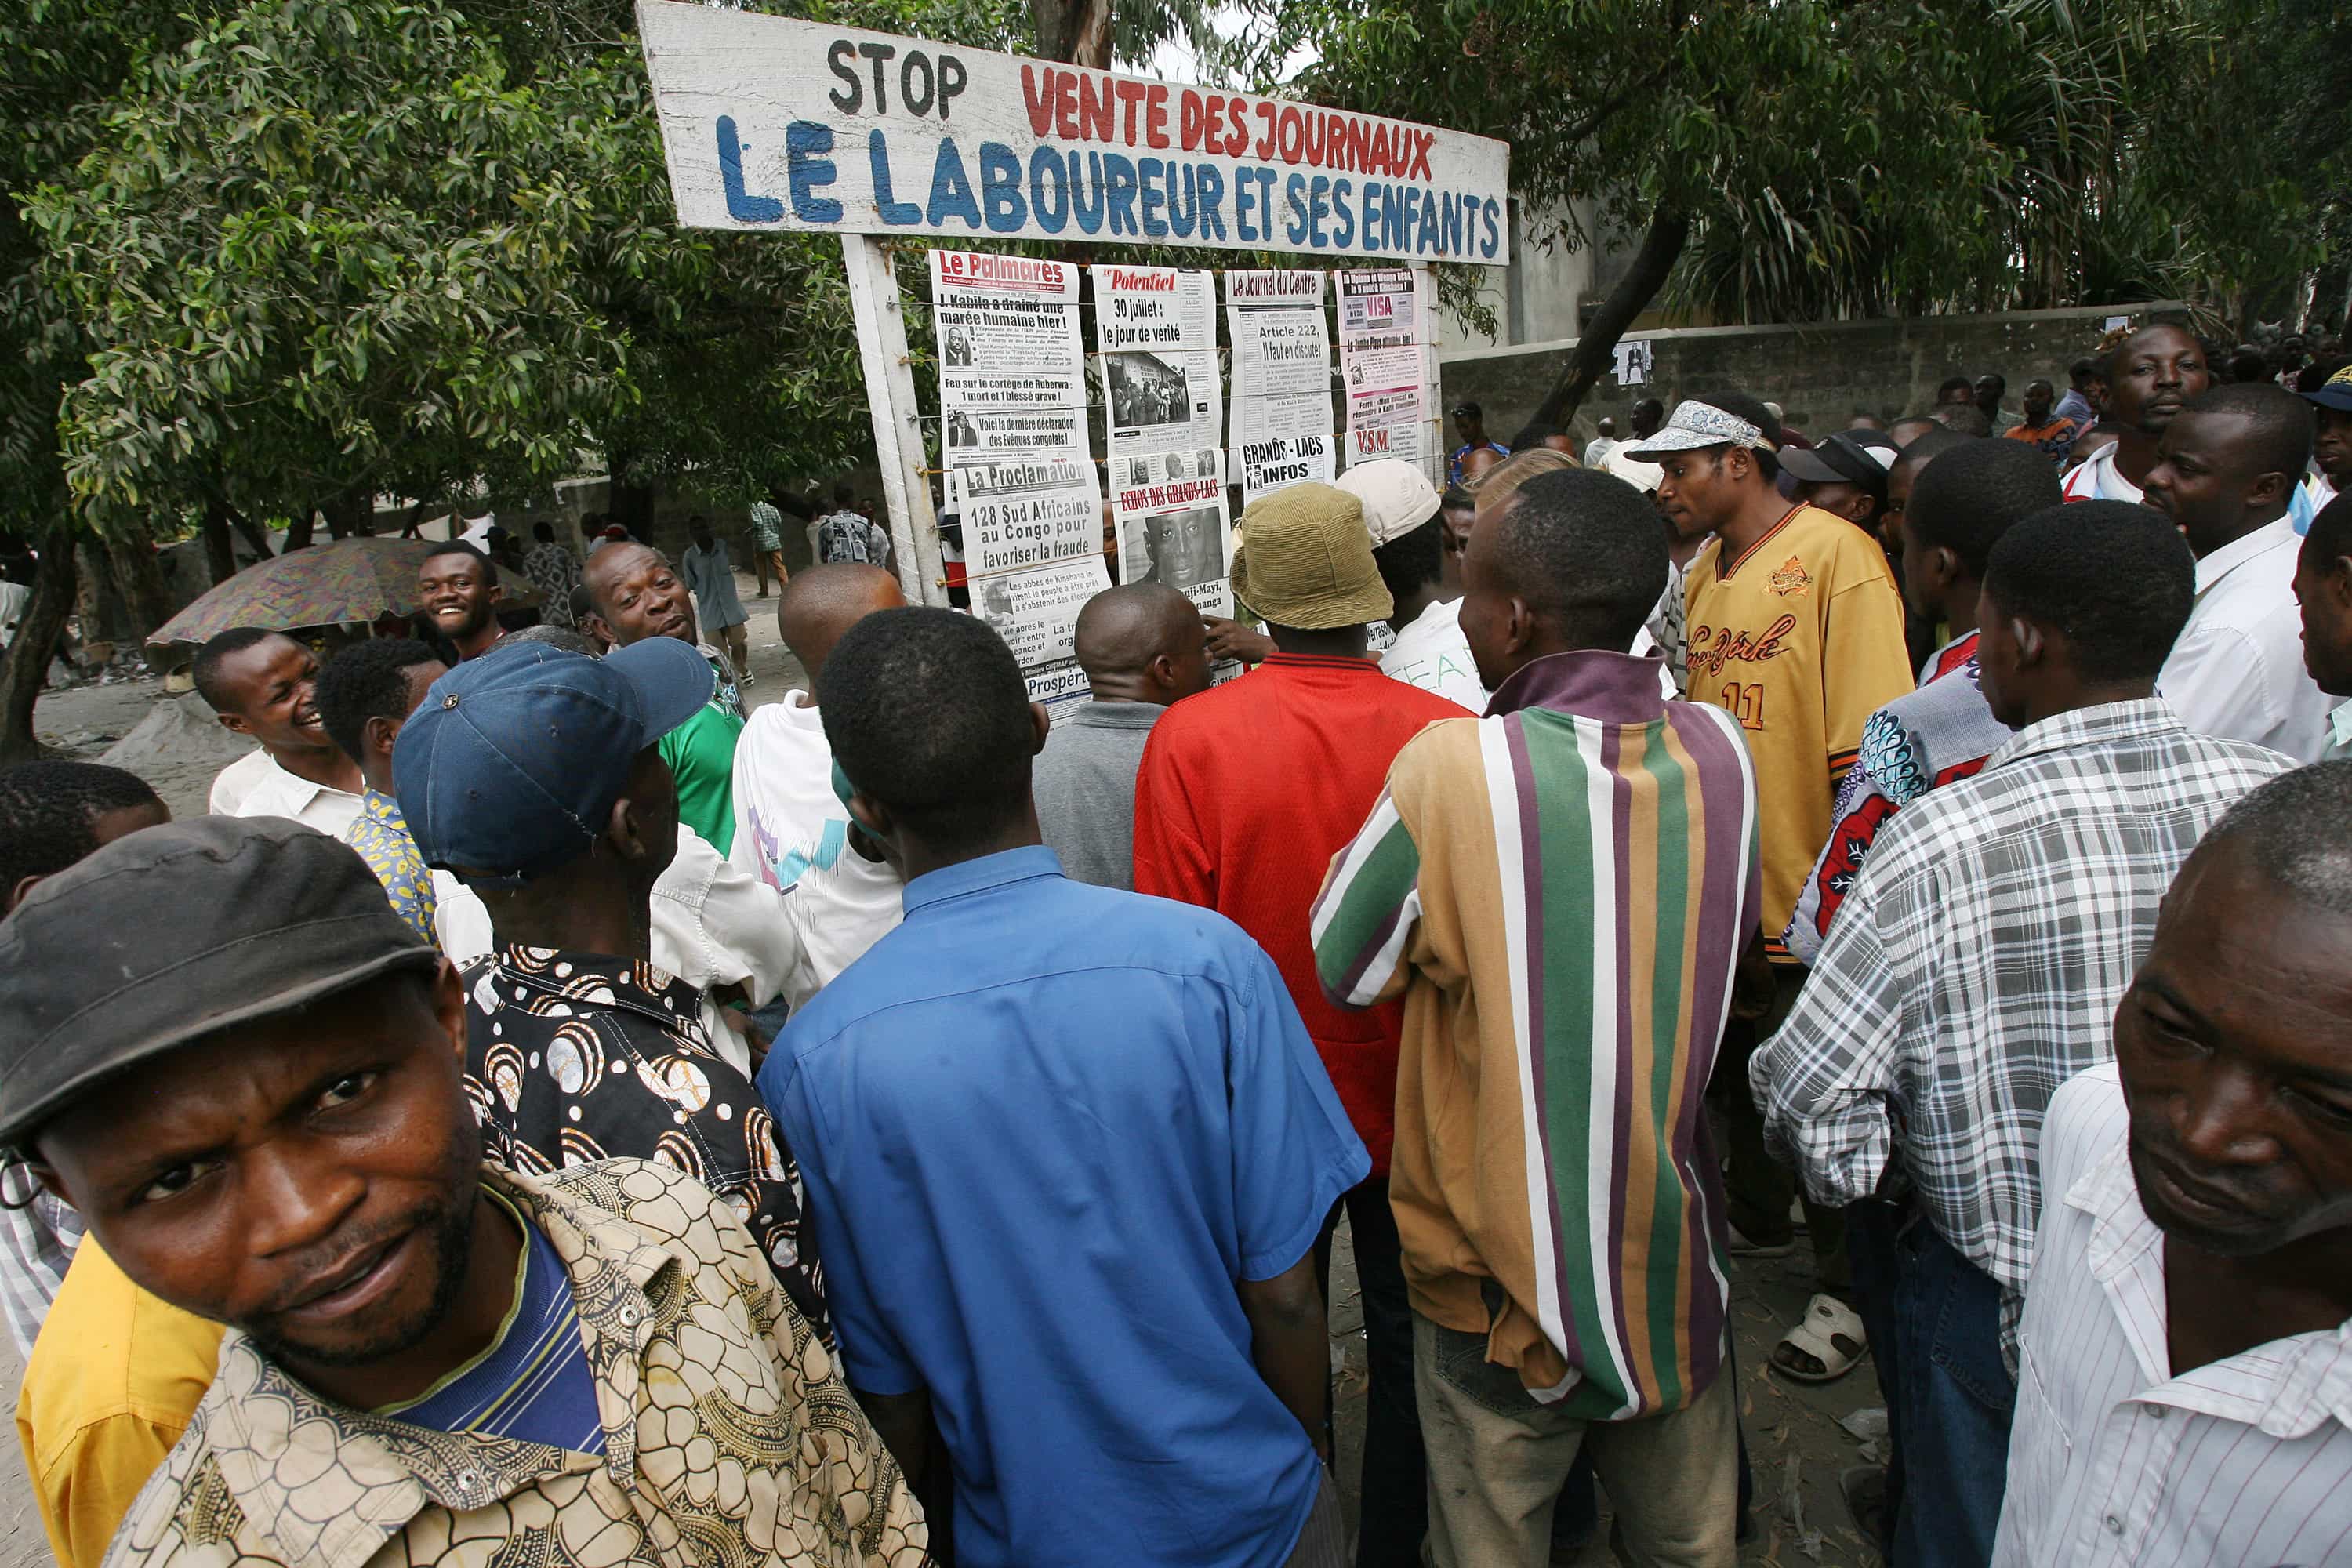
(352, 514)
(220, 554)
(298, 533)
(1596, 346)
(25, 667)
(1077, 31)
(139, 578)
(632, 504)
(250, 531)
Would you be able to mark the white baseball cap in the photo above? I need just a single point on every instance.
(1396, 496)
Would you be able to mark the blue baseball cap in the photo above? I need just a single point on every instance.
(511, 765)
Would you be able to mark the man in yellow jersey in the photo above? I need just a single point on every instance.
(1795, 626)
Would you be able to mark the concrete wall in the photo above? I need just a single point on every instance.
(1821, 374)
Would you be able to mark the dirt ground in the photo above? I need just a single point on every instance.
(1796, 1445)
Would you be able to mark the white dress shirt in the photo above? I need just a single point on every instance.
(713, 924)
(255, 785)
(2245, 1463)
(792, 833)
(2237, 669)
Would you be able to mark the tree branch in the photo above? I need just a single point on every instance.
(1596, 347)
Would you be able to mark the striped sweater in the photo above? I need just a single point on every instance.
(1559, 891)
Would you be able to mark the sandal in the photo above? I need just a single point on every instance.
(1741, 1247)
(1831, 1334)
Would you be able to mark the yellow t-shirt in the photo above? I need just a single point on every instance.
(111, 1383)
(1802, 640)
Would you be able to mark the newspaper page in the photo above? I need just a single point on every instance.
(1381, 367)
(1036, 611)
(1281, 422)
(1160, 309)
(1008, 332)
(1026, 512)
(1063, 688)
(1174, 524)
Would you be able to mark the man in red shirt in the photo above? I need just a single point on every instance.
(1244, 795)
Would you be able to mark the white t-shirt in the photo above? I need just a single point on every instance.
(713, 924)
(2095, 478)
(793, 832)
(255, 785)
(1432, 654)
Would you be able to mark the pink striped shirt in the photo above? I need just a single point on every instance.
(2112, 1460)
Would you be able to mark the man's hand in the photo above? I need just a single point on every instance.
(1231, 639)
(1290, 1343)
(1752, 985)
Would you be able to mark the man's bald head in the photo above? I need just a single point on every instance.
(820, 605)
(1142, 642)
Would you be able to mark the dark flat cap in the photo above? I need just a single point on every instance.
(168, 935)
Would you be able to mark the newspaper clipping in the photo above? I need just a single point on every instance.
(1008, 332)
(1162, 403)
(1063, 688)
(1380, 366)
(1173, 525)
(1282, 430)
(1161, 310)
(1026, 514)
(1036, 611)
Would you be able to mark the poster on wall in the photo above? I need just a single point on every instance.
(1383, 368)
(1174, 524)
(770, 122)
(1156, 333)
(1160, 310)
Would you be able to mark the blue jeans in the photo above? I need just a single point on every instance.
(1955, 1397)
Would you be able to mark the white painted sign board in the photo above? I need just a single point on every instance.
(773, 123)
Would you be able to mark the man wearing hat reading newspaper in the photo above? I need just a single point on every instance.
(1245, 794)
(261, 1114)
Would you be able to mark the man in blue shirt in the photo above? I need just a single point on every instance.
(1066, 1150)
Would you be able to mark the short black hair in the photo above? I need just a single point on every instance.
(543, 531)
(1584, 548)
(2280, 427)
(1411, 559)
(562, 637)
(1956, 384)
(2331, 531)
(1456, 498)
(1963, 419)
(2285, 826)
(1999, 381)
(1741, 406)
(206, 671)
(367, 681)
(466, 547)
(47, 810)
(2087, 370)
(1966, 500)
(1932, 442)
(2118, 579)
(843, 493)
(926, 712)
(2248, 364)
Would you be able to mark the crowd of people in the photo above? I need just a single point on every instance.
(542, 1114)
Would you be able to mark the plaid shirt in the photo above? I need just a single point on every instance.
(1977, 964)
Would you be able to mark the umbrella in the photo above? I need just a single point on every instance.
(321, 585)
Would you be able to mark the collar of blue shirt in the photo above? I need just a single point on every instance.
(1591, 683)
(989, 872)
(2103, 723)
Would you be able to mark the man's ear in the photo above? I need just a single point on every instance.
(54, 1183)
(870, 814)
(2033, 646)
(450, 1005)
(1518, 626)
(624, 831)
(597, 626)
(380, 732)
(2336, 580)
(234, 723)
(16, 895)
(1040, 727)
(2266, 491)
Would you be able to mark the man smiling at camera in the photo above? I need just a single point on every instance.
(261, 1116)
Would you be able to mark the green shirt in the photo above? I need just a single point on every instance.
(701, 754)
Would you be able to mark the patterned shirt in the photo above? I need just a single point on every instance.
(554, 572)
(729, 1436)
(1978, 963)
(850, 536)
(2053, 438)
(2115, 1460)
(767, 527)
(380, 836)
(1801, 638)
(1560, 893)
(37, 1241)
(572, 1057)
(1923, 739)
